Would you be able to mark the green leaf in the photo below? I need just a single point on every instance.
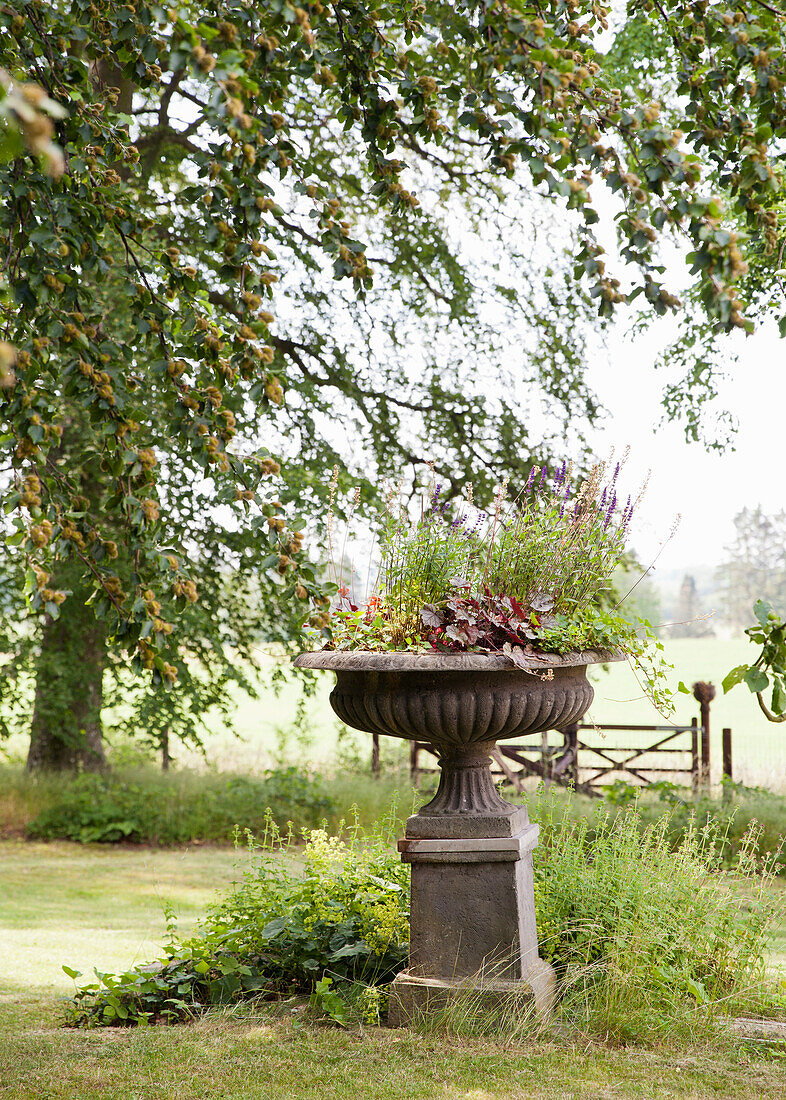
(779, 696)
(756, 679)
(731, 679)
(762, 611)
(71, 972)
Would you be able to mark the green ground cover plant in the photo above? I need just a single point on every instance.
(647, 942)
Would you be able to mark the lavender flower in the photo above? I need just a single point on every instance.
(530, 480)
(610, 511)
(627, 516)
(560, 474)
(543, 476)
(435, 498)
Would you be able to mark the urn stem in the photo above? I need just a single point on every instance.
(466, 785)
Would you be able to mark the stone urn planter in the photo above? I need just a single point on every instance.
(472, 923)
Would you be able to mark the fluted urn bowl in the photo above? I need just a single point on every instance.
(461, 704)
(456, 700)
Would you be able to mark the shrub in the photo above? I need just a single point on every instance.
(157, 809)
(644, 940)
(338, 910)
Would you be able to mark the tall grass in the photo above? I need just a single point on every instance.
(142, 805)
(649, 939)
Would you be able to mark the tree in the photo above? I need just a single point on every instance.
(690, 622)
(222, 158)
(755, 565)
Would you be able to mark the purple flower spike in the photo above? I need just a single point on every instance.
(435, 498)
(530, 480)
(610, 511)
(627, 516)
(617, 469)
(602, 503)
(560, 474)
(544, 474)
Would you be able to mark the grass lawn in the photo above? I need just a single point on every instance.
(90, 906)
(274, 1056)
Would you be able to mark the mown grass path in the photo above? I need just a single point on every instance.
(91, 906)
(98, 906)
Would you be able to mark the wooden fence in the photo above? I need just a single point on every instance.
(587, 762)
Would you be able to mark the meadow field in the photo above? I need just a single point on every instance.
(290, 725)
(267, 732)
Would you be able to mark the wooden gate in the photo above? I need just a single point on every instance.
(586, 763)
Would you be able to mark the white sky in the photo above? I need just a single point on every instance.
(708, 488)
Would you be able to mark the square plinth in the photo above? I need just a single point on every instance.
(473, 906)
(458, 826)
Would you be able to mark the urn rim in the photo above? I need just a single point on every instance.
(365, 660)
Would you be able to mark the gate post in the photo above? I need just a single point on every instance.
(571, 737)
(727, 766)
(694, 755)
(704, 693)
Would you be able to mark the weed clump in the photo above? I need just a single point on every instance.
(650, 936)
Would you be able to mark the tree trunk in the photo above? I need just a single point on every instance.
(66, 732)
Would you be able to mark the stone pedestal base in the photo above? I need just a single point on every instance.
(413, 997)
(473, 906)
(473, 939)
